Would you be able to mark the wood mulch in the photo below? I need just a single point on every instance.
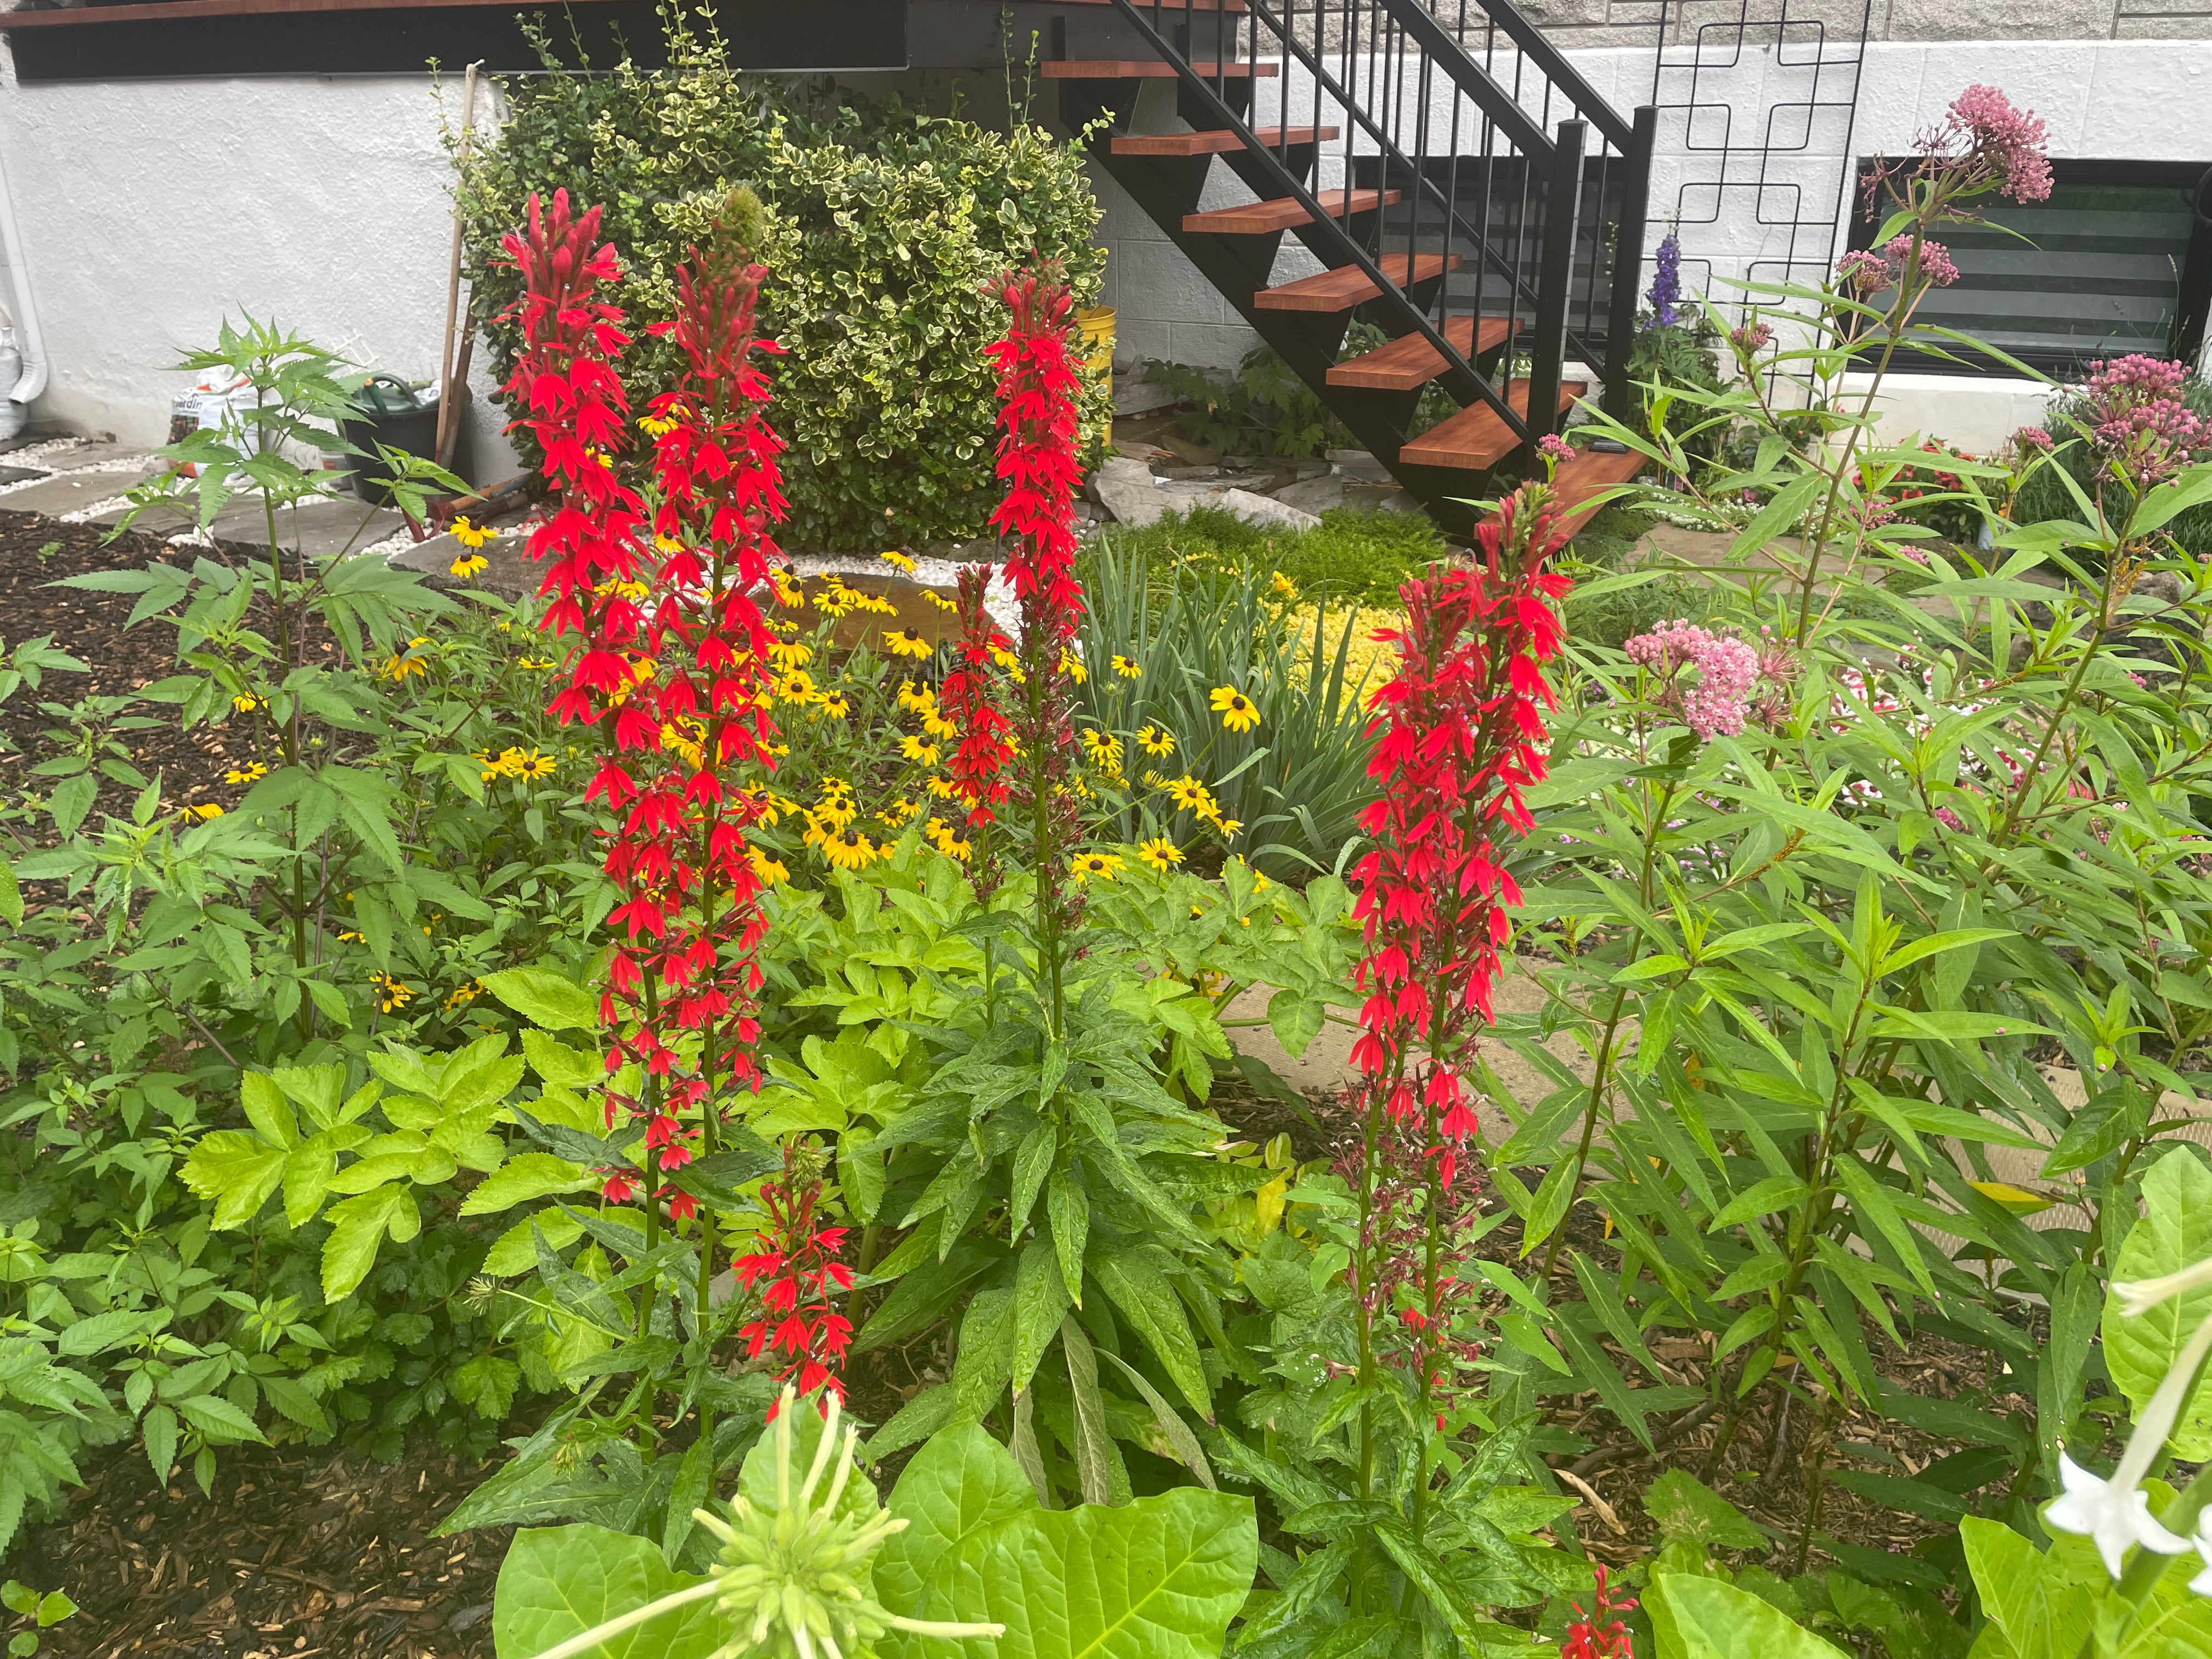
(299, 1554)
(37, 551)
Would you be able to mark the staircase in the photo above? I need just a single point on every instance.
(1458, 180)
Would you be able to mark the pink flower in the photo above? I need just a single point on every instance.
(1717, 703)
(1949, 819)
(1554, 448)
(1753, 337)
(1982, 129)
(1864, 271)
(2141, 427)
(1935, 259)
(2032, 438)
(1874, 511)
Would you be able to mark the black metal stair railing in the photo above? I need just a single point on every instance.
(1448, 153)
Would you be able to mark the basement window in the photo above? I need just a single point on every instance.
(2117, 260)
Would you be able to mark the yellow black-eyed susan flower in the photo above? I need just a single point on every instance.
(1160, 854)
(848, 849)
(1127, 668)
(392, 994)
(1238, 712)
(1104, 866)
(1155, 740)
(905, 642)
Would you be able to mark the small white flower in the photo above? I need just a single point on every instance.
(2203, 1582)
(2113, 1515)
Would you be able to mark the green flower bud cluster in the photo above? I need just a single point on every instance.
(794, 1580)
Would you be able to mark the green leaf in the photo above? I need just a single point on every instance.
(1157, 1578)
(521, 1178)
(236, 1169)
(1093, 1461)
(1068, 1208)
(1687, 1512)
(961, 1484)
(102, 1331)
(545, 998)
(488, 1382)
(559, 1582)
(161, 1429)
(215, 1416)
(2045, 1611)
(1710, 1619)
(2175, 1232)
(268, 1109)
(1145, 1298)
(1178, 1432)
(358, 1225)
(11, 896)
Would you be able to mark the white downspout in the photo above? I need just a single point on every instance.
(15, 409)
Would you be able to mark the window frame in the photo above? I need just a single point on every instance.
(2193, 290)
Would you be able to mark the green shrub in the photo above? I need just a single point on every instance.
(885, 222)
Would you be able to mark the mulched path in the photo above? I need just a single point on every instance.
(299, 1553)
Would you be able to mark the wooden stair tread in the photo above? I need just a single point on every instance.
(1144, 68)
(1476, 439)
(1215, 143)
(1348, 286)
(1589, 472)
(1410, 360)
(1257, 218)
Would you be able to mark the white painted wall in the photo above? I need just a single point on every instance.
(152, 210)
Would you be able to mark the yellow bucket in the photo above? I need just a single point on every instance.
(1094, 325)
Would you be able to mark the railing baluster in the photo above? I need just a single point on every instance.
(1562, 208)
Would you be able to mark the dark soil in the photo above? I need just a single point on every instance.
(299, 1553)
(37, 551)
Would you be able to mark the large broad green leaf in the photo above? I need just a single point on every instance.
(238, 1171)
(1705, 1618)
(1686, 1511)
(961, 1484)
(545, 998)
(559, 1582)
(358, 1226)
(2042, 1602)
(1159, 1578)
(2175, 1232)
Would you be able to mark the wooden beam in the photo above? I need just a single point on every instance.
(78, 15)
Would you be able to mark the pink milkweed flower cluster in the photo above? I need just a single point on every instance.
(1753, 337)
(1935, 259)
(1988, 142)
(2029, 438)
(1864, 271)
(1717, 702)
(2141, 427)
(1554, 448)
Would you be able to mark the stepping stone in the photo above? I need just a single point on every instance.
(69, 492)
(100, 453)
(1313, 494)
(17, 474)
(510, 574)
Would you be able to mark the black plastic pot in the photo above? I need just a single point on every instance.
(391, 413)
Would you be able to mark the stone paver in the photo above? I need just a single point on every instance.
(509, 573)
(101, 453)
(69, 492)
